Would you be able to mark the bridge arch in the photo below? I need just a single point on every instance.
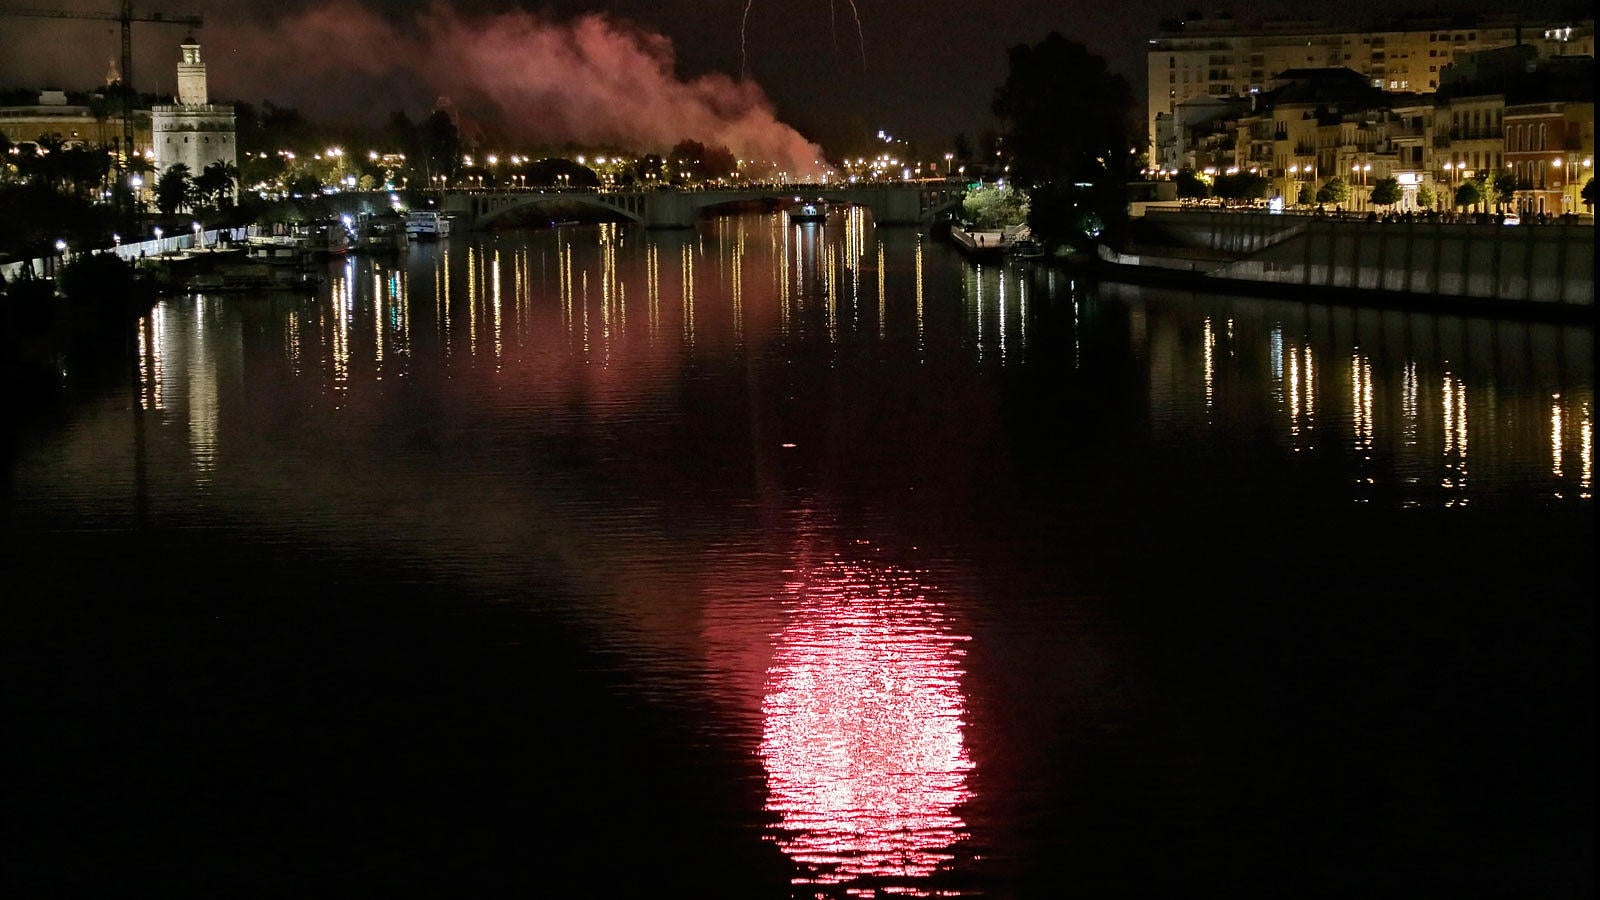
(890, 204)
(483, 208)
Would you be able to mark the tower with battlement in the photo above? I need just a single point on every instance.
(193, 131)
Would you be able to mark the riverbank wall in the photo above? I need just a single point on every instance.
(1539, 268)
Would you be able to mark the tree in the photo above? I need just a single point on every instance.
(1193, 185)
(1425, 197)
(1307, 195)
(1386, 192)
(699, 162)
(1335, 190)
(1241, 186)
(1588, 194)
(1472, 192)
(1066, 116)
(995, 206)
(962, 147)
(441, 145)
(214, 187)
(1505, 188)
(175, 190)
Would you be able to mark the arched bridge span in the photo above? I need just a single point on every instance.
(908, 204)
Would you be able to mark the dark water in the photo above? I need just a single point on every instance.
(768, 561)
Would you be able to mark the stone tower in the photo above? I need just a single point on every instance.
(193, 131)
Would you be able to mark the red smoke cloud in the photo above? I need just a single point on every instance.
(593, 79)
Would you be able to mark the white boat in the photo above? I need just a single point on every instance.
(803, 212)
(427, 225)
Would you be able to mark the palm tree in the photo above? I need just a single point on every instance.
(175, 190)
(216, 181)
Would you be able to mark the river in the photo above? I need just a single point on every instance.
(763, 560)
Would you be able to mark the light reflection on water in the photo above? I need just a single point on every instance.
(862, 726)
(642, 412)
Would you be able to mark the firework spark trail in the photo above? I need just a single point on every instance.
(744, 23)
(861, 40)
(833, 29)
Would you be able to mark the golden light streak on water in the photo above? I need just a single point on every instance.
(738, 286)
(1001, 315)
(785, 310)
(380, 287)
(291, 343)
(1294, 396)
(882, 294)
(1410, 404)
(1453, 403)
(1208, 348)
(687, 286)
(1022, 315)
(831, 265)
(1361, 400)
(495, 309)
(152, 358)
(343, 306)
(921, 346)
(862, 729)
(1555, 437)
(653, 287)
(204, 402)
(1586, 446)
(1310, 386)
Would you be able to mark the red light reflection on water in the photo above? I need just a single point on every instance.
(862, 729)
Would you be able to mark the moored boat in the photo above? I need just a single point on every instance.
(808, 212)
(427, 225)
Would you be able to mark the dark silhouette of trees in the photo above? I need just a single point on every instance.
(440, 145)
(693, 161)
(1067, 118)
(214, 186)
(1067, 122)
(1241, 186)
(175, 190)
(1192, 186)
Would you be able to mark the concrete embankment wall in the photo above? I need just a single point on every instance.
(1229, 232)
(1544, 264)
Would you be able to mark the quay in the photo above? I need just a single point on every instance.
(1538, 269)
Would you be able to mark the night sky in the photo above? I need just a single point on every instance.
(928, 72)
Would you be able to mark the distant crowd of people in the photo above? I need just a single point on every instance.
(1447, 216)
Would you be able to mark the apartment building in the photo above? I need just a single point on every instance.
(1221, 57)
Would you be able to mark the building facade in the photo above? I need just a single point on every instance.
(1219, 57)
(193, 131)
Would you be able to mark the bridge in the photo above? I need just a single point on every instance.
(911, 203)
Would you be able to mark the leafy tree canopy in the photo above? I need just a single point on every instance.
(1472, 192)
(1067, 117)
(1194, 185)
(1334, 190)
(1241, 186)
(995, 206)
(1386, 192)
